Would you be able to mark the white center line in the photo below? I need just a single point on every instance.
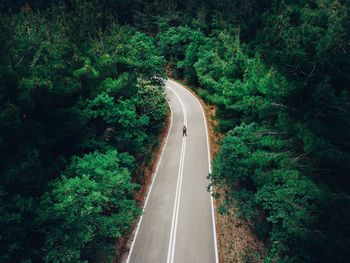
(172, 241)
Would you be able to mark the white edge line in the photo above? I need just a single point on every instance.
(209, 161)
(153, 179)
(172, 240)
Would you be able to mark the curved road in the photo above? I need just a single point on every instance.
(178, 221)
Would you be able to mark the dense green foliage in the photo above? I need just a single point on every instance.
(80, 108)
(88, 207)
(78, 97)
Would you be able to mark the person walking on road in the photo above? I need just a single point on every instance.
(184, 131)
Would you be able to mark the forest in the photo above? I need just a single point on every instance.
(82, 105)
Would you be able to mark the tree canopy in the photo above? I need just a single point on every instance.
(81, 104)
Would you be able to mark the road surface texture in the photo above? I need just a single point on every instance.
(178, 222)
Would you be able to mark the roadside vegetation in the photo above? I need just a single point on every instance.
(80, 108)
(81, 105)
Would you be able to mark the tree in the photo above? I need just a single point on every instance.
(88, 208)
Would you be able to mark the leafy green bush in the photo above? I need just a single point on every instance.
(181, 46)
(265, 180)
(88, 207)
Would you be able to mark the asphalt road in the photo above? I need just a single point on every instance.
(177, 224)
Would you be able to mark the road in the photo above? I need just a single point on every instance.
(177, 224)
